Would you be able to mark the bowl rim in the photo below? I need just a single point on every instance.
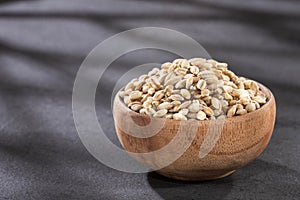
(265, 90)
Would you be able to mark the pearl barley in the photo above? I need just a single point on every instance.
(192, 89)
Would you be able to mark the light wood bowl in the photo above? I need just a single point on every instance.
(243, 139)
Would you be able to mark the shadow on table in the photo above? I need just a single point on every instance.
(258, 179)
(11, 1)
(172, 189)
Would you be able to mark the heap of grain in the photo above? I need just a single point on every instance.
(192, 89)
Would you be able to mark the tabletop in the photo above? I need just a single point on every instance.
(44, 42)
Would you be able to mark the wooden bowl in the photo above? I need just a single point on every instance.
(243, 138)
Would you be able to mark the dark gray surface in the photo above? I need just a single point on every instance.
(42, 44)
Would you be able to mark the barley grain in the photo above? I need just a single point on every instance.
(160, 113)
(201, 115)
(179, 116)
(185, 93)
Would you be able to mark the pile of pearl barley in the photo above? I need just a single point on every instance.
(192, 89)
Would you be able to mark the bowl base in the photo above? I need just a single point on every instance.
(196, 178)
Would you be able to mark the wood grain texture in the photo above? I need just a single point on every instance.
(243, 139)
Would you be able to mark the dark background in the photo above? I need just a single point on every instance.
(42, 44)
